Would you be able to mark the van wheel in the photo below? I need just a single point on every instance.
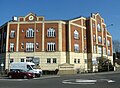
(25, 77)
(10, 77)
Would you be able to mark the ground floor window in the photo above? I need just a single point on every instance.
(48, 60)
(54, 60)
(22, 60)
(11, 60)
(51, 60)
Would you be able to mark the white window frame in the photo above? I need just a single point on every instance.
(108, 52)
(108, 43)
(98, 27)
(99, 39)
(51, 32)
(104, 41)
(30, 33)
(94, 38)
(48, 60)
(12, 34)
(54, 60)
(76, 48)
(51, 46)
(11, 47)
(29, 47)
(76, 34)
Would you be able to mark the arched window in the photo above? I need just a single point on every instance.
(76, 34)
(51, 32)
(98, 27)
(30, 32)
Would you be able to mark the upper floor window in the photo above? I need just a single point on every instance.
(30, 32)
(99, 39)
(108, 52)
(76, 34)
(51, 32)
(12, 34)
(94, 38)
(11, 47)
(50, 46)
(98, 27)
(30, 47)
(76, 47)
(108, 42)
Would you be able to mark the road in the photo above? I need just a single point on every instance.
(66, 81)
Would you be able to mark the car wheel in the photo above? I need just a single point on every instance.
(10, 77)
(25, 77)
(34, 76)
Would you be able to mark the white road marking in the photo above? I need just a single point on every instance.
(13, 79)
(85, 81)
(47, 77)
(108, 80)
(79, 81)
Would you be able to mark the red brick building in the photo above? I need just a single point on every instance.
(80, 41)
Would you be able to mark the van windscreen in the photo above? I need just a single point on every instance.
(29, 67)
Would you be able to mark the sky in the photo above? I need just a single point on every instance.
(64, 10)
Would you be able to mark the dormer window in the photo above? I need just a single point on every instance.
(51, 32)
(76, 34)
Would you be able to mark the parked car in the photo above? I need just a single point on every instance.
(28, 66)
(19, 73)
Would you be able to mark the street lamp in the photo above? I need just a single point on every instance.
(109, 25)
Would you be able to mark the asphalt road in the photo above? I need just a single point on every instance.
(66, 81)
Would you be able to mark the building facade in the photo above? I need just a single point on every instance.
(80, 41)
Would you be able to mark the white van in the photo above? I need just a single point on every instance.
(28, 66)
